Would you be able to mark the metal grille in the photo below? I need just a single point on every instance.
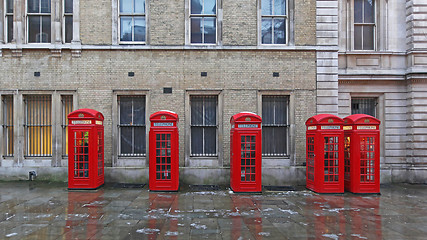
(38, 125)
(67, 107)
(204, 125)
(275, 125)
(364, 106)
(347, 165)
(310, 158)
(7, 126)
(100, 153)
(331, 159)
(163, 156)
(132, 126)
(248, 154)
(81, 154)
(367, 159)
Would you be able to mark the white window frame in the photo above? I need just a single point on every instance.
(27, 21)
(119, 15)
(375, 24)
(287, 25)
(190, 15)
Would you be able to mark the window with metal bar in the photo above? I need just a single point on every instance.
(204, 125)
(203, 21)
(275, 125)
(39, 21)
(132, 21)
(66, 108)
(67, 21)
(9, 20)
(7, 103)
(38, 125)
(274, 19)
(131, 125)
(364, 106)
(364, 24)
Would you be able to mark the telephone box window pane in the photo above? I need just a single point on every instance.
(81, 154)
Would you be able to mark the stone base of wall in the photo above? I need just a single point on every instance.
(271, 176)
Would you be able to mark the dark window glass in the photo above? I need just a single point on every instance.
(274, 125)
(132, 125)
(203, 125)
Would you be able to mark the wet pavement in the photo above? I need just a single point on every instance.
(36, 210)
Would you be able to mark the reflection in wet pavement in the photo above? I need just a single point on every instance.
(49, 211)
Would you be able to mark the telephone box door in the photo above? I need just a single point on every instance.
(164, 152)
(245, 152)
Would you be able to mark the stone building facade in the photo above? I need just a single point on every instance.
(206, 60)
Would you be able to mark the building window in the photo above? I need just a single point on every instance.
(131, 125)
(67, 107)
(38, 125)
(68, 21)
(132, 20)
(275, 125)
(9, 20)
(204, 125)
(273, 21)
(364, 24)
(203, 21)
(364, 106)
(7, 126)
(39, 21)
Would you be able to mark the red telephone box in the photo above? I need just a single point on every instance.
(362, 154)
(164, 151)
(324, 150)
(245, 152)
(85, 149)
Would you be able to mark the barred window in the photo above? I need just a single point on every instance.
(364, 106)
(204, 125)
(68, 21)
(203, 21)
(67, 107)
(131, 125)
(38, 125)
(7, 126)
(132, 20)
(275, 128)
(273, 21)
(364, 24)
(39, 21)
(9, 21)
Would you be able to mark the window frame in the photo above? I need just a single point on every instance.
(216, 126)
(64, 121)
(8, 139)
(132, 15)
(42, 126)
(287, 24)
(119, 125)
(6, 23)
(375, 26)
(40, 15)
(64, 26)
(285, 126)
(190, 16)
(375, 104)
